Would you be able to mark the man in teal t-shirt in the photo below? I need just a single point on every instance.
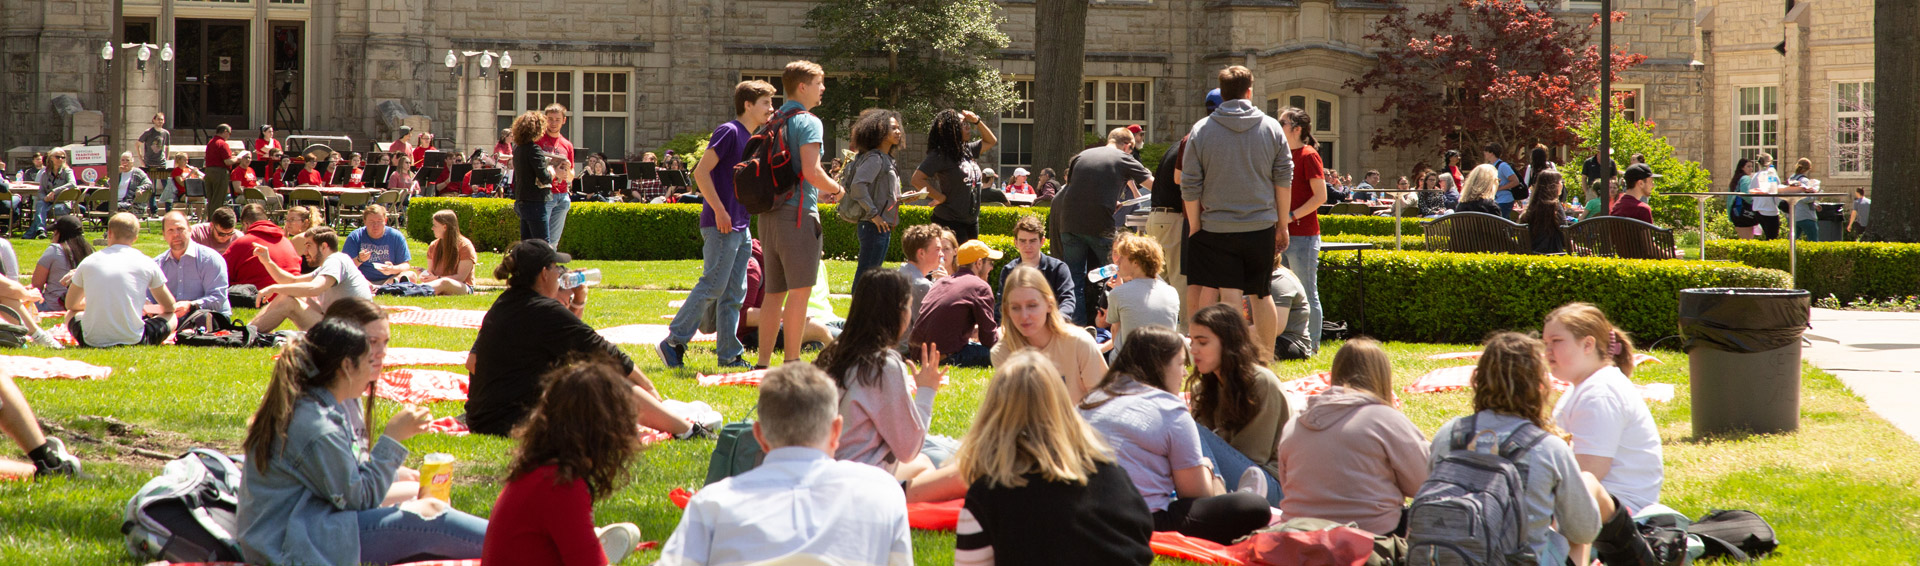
(790, 233)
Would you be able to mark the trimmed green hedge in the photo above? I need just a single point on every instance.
(1408, 242)
(1356, 225)
(1844, 270)
(1444, 297)
(610, 231)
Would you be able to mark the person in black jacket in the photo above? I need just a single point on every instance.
(530, 176)
(526, 333)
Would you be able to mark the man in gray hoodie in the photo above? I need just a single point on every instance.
(1236, 178)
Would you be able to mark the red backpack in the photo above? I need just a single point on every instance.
(765, 176)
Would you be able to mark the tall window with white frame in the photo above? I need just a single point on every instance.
(1853, 128)
(1757, 126)
(1114, 103)
(599, 108)
(1016, 130)
(1325, 109)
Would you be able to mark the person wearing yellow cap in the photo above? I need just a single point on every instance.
(959, 305)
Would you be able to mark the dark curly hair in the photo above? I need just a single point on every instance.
(948, 136)
(584, 426)
(1226, 398)
(872, 128)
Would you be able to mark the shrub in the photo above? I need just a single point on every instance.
(686, 147)
(1151, 155)
(1677, 175)
(1844, 270)
(1408, 242)
(1443, 297)
(1356, 225)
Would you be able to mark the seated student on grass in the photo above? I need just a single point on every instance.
(1032, 321)
(882, 422)
(302, 298)
(371, 319)
(300, 218)
(306, 497)
(47, 455)
(1028, 237)
(1510, 390)
(1613, 434)
(1352, 457)
(218, 232)
(1137, 408)
(68, 248)
(959, 310)
(1043, 487)
(195, 274)
(1237, 401)
(381, 254)
(566, 459)
(926, 248)
(815, 336)
(1290, 299)
(117, 280)
(450, 258)
(1140, 298)
(853, 513)
(243, 268)
(25, 302)
(526, 333)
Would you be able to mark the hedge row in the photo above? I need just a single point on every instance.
(1844, 270)
(1408, 242)
(1444, 297)
(644, 232)
(1356, 225)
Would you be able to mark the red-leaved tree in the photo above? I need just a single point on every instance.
(1485, 70)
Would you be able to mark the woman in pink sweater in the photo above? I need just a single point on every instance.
(1352, 457)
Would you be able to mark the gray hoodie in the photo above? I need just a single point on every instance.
(1234, 159)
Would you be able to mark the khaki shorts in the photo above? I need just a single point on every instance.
(790, 254)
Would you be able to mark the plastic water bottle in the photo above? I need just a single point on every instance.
(580, 277)
(1103, 273)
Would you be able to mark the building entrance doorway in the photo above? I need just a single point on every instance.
(211, 73)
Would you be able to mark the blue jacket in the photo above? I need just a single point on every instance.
(305, 508)
(1057, 275)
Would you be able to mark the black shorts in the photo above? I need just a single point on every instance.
(1231, 260)
(153, 331)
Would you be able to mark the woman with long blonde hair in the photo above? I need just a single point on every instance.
(1028, 308)
(1478, 196)
(1044, 488)
(450, 258)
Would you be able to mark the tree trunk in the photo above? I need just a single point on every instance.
(1060, 37)
(1896, 141)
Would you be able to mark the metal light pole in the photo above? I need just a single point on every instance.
(1605, 157)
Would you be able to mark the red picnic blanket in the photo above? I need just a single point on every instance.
(945, 516)
(444, 318)
(60, 333)
(1310, 385)
(29, 367)
(645, 334)
(743, 378)
(421, 386)
(1461, 377)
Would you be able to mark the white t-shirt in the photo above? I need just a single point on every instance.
(116, 281)
(1767, 180)
(1607, 418)
(347, 280)
(9, 263)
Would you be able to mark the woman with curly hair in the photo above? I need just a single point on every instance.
(949, 174)
(568, 458)
(1237, 401)
(873, 189)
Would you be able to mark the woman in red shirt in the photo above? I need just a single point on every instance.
(568, 456)
(266, 140)
(1303, 222)
(353, 177)
(242, 176)
(310, 175)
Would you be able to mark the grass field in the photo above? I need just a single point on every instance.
(1841, 491)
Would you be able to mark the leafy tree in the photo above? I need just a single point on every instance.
(1677, 175)
(1477, 71)
(913, 56)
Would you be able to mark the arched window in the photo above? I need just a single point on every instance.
(1325, 109)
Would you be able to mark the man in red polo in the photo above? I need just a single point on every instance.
(219, 168)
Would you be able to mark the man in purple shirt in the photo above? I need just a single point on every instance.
(723, 227)
(959, 305)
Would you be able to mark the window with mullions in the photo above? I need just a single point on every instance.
(1853, 127)
(1016, 130)
(598, 105)
(1757, 126)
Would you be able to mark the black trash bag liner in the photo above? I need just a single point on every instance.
(1743, 320)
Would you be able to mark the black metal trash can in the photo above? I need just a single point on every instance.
(1743, 347)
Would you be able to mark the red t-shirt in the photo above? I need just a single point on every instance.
(353, 179)
(245, 269)
(217, 152)
(276, 177)
(1306, 168)
(400, 146)
(419, 154)
(243, 178)
(557, 145)
(1631, 207)
(310, 178)
(261, 145)
(535, 522)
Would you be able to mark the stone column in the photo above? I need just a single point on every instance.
(139, 98)
(481, 92)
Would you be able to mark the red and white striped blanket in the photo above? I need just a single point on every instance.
(1461, 377)
(645, 334)
(423, 357)
(444, 318)
(29, 367)
(418, 386)
(751, 378)
(1310, 385)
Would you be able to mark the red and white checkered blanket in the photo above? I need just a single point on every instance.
(743, 378)
(1457, 378)
(452, 427)
(29, 367)
(1638, 358)
(645, 334)
(1310, 385)
(444, 318)
(423, 357)
(421, 386)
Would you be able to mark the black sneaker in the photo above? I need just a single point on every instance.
(670, 353)
(58, 462)
(696, 430)
(737, 363)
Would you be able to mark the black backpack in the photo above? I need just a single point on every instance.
(1521, 192)
(765, 175)
(1471, 511)
(1735, 534)
(190, 513)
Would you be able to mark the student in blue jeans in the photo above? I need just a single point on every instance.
(1238, 403)
(723, 229)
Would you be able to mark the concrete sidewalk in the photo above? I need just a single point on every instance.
(1877, 355)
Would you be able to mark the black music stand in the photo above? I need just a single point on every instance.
(601, 184)
(486, 177)
(427, 175)
(375, 176)
(460, 171)
(342, 174)
(646, 170)
(617, 168)
(292, 176)
(259, 169)
(675, 178)
(434, 158)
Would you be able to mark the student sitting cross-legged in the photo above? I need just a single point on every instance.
(307, 498)
(566, 460)
(1237, 400)
(107, 293)
(303, 298)
(1044, 488)
(957, 314)
(800, 506)
(1351, 457)
(884, 423)
(1137, 408)
(1028, 312)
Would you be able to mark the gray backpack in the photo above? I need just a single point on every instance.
(190, 513)
(1470, 512)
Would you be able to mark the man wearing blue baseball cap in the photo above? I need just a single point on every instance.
(1167, 221)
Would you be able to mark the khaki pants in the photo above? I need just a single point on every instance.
(217, 179)
(1170, 230)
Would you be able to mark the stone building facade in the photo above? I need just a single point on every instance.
(636, 73)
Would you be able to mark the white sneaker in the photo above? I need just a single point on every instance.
(45, 339)
(618, 540)
(1254, 481)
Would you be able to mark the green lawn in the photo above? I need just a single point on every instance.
(1841, 491)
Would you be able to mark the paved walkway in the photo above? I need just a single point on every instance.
(1877, 355)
